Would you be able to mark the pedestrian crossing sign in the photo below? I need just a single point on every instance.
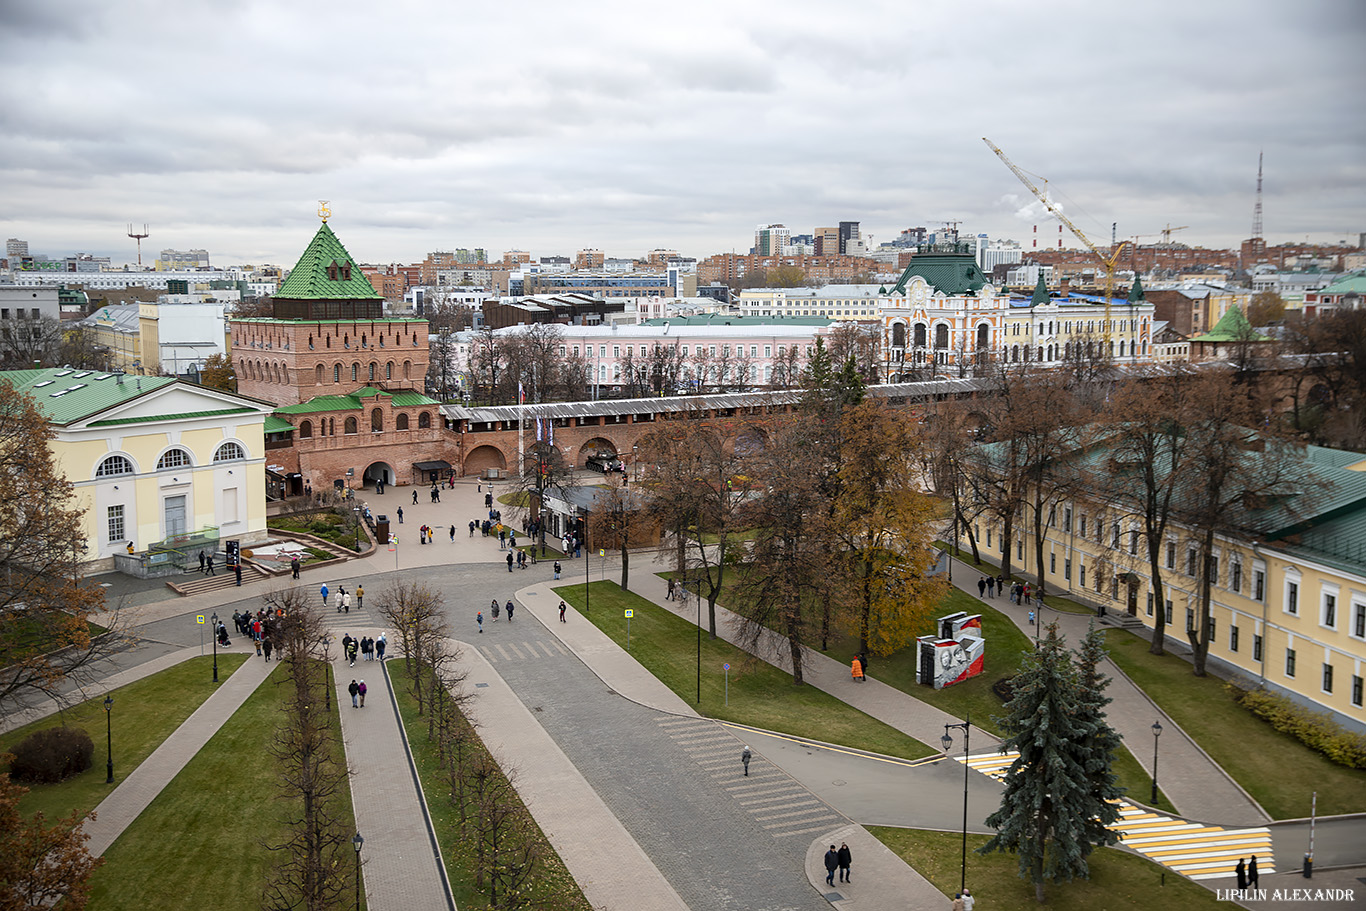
(199, 619)
(602, 553)
(630, 614)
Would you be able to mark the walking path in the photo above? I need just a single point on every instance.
(117, 811)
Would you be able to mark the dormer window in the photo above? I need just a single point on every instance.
(346, 271)
(333, 270)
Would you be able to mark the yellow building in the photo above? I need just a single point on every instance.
(1289, 596)
(118, 330)
(154, 461)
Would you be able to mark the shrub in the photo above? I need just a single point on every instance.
(1316, 730)
(1004, 689)
(53, 754)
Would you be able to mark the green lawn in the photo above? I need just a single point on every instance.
(144, 714)
(1055, 601)
(1254, 753)
(202, 841)
(555, 888)
(760, 694)
(1119, 880)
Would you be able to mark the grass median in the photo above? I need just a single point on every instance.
(145, 713)
(1276, 769)
(760, 695)
(1119, 880)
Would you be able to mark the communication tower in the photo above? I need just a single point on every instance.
(138, 237)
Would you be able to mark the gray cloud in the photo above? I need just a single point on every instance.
(549, 127)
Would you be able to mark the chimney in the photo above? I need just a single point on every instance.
(1065, 288)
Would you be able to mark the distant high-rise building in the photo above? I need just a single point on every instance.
(848, 233)
(769, 240)
(182, 260)
(15, 249)
(827, 241)
(469, 257)
(589, 259)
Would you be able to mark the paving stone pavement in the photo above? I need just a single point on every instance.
(117, 811)
(399, 862)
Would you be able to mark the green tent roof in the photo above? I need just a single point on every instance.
(1232, 327)
(951, 273)
(312, 278)
(1136, 292)
(1040, 292)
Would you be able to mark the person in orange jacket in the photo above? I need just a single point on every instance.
(857, 670)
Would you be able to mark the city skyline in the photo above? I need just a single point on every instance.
(546, 129)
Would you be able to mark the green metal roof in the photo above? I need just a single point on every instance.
(1232, 327)
(731, 319)
(66, 396)
(277, 425)
(1040, 292)
(951, 273)
(402, 398)
(184, 415)
(1136, 292)
(1355, 281)
(309, 279)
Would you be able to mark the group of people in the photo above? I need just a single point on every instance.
(357, 691)
(988, 586)
(495, 609)
(369, 649)
(963, 901)
(343, 598)
(1247, 874)
(838, 859)
(260, 627)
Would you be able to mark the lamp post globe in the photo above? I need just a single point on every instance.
(213, 634)
(357, 842)
(1157, 732)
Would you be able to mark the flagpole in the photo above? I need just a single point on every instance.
(521, 426)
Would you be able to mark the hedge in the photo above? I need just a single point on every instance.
(1316, 730)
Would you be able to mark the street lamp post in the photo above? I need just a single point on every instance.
(109, 738)
(356, 842)
(1157, 732)
(356, 510)
(697, 596)
(213, 634)
(947, 740)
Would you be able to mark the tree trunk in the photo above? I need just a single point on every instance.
(1159, 599)
(1038, 546)
(1007, 533)
(625, 565)
(1199, 636)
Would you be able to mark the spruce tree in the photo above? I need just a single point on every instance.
(1101, 742)
(1047, 810)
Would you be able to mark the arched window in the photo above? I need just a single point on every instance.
(350, 426)
(113, 466)
(401, 421)
(363, 341)
(336, 373)
(355, 372)
(372, 372)
(174, 458)
(1014, 354)
(376, 420)
(389, 370)
(318, 375)
(229, 452)
(424, 421)
(306, 430)
(1121, 348)
(941, 336)
(310, 342)
(898, 336)
(982, 334)
(920, 341)
(407, 370)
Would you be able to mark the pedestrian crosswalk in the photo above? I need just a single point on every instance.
(1195, 850)
(496, 652)
(780, 805)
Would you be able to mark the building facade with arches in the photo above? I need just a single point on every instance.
(346, 378)
(153, 460)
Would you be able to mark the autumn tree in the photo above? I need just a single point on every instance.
(785, 277)
(1329, 376)
(312, 872)
(544, 469)
(30, 343)
(46, 639)
(1265, 308)
(616, 515)
(885, 527)
(218, 373)
(41, 866)
(861, 344)
(691, 466)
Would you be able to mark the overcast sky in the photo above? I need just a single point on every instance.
(550, 127)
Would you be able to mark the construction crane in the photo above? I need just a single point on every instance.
(1107, 261)
(1168, 231)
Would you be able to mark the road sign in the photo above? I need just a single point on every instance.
(726, 665)
(602, 553)
(630, 614)
(199, 619)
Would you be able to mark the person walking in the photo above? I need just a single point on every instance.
(324, 592)
(856, 670)
(745, 757)
(380, 644)
(209, 562)
(968, 901)
(201, 562)
(846, 858)
(266, 647)
(832, 862)
(509, 561)
(346, 601)
(361, 688)
(557, 569)
(982, 587)
(494, 609)
(351, 651)
(1252, 873)
(991, 586)
(1241, 872)
(354, 690)
(400, 515)
(957, 903)
(360, 597)
(1031, 618)
(480, 620)
(669, 592)
(414, 497)
(562, 607)
(294, 565)
(452, 533)
(509, 607)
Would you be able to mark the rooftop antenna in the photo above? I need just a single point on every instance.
(1257, 209)
(138, 237)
